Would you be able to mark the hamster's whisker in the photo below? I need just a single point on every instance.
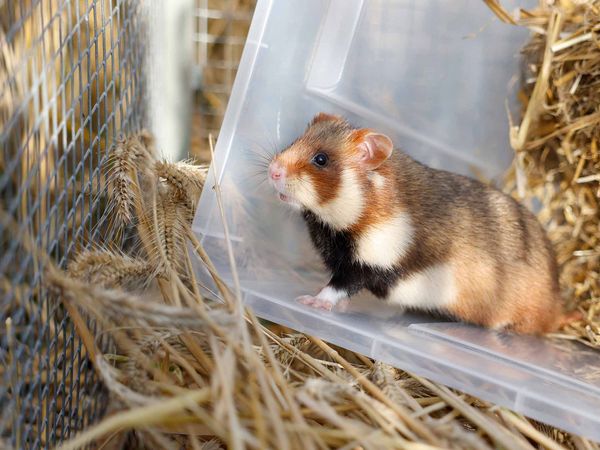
(259, 147)
(272, 149)
(260, 164)
(259, 157)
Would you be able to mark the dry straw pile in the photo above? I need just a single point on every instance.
(557, 163)
(186, 372)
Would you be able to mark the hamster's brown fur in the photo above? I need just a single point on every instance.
(504, 265)
(502, 269)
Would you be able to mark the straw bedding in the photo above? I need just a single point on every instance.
(557, 162)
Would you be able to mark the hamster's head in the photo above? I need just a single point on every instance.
(324, 171)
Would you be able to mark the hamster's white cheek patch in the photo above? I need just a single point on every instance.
(303, 191)
(383, 244)
(433, 288)
(347, 205)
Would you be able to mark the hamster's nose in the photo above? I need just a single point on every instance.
(276, 171)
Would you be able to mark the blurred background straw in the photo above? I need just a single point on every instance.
(220, 29)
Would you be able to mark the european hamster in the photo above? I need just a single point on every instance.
(416, 236)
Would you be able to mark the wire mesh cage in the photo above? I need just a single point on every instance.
(220, 29)
(71, 79)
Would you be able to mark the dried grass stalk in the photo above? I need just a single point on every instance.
(109, 268)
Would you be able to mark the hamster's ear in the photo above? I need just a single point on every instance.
(372, 149)
(323, 117)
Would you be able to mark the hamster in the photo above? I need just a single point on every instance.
(415, 236)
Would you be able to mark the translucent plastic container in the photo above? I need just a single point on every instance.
(435, 76)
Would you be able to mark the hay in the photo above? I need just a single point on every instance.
(187, 372)
(557, 163)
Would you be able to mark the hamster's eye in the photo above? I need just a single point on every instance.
(320, 160)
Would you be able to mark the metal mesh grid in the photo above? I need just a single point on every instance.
(220, 29)
(70, 80)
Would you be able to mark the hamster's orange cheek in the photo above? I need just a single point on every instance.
(325, 184)
(295, 165)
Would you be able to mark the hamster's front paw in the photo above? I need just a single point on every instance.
(315, 302)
